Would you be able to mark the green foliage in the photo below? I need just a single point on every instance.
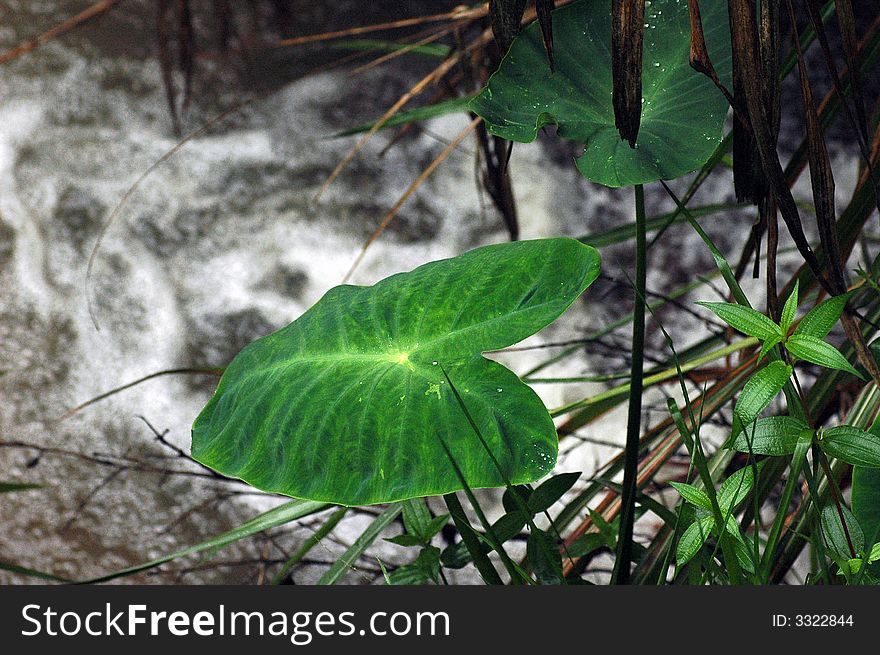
(774, 435)
(835, 535)
(730, 494)
(745, 319)
(760, 391)
(682, 116)
(852, 445)
(812, 349)
(350, 403)
(823, 317)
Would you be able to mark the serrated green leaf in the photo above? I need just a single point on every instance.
(851, 445)
(790, 308)
(683, 113)
(350, 403)
(693, 539)
(816, 351)
(820, 320)
(694, 496)
(775, 435)
(760, 391)
(746, 320)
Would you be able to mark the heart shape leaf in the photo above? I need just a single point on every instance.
(682, 111)
(349, 404)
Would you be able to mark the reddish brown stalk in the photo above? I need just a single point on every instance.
(386, 220)
(745, 52)
(459, 13)
(85, 15)
(627, 35)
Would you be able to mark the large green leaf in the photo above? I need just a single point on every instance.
(682, 113)
(349, 404)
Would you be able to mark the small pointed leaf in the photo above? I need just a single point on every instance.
(811, 349)
(820, 320)
(694, 496)
(746, 320)
(789, 309)
(760, 391)
(693, 539)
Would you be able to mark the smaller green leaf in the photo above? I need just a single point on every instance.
(693, 539)
(604, 526)
(744, 319)
(812, 349)
(505, 528)
(790, 308)
(775, 435)
(586, 544)
(550, 491)
(820, 320)
(835, 537)
(768, 345)
(544, 557)
(744, 554)
(759, 392)
(425, 568)
(515, 497)
(694, 496)
(735, 488)
(416, 518)
(851, 445)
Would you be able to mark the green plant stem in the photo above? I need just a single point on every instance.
(622, 562)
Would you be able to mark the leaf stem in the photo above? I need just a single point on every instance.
(621, 573)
